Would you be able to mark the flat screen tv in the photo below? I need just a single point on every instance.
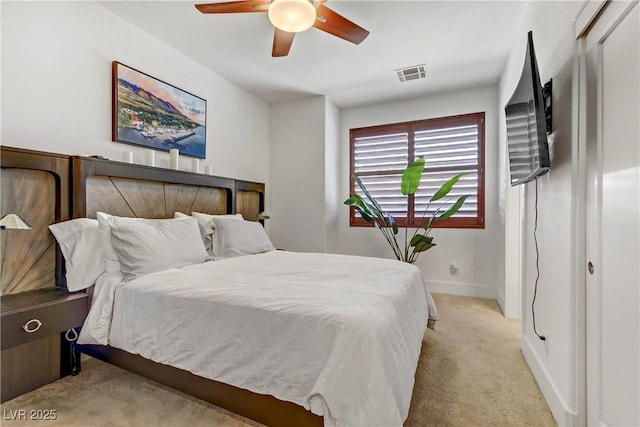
(526, 123)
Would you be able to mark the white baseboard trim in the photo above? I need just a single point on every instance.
(563, 416)
(462, 289)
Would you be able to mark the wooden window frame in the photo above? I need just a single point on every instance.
(409, 127)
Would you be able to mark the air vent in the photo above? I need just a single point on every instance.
(415, 72)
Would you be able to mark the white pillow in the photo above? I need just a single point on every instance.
(146, 246)
(205, 219)
(206, 227)
(236, 238)
(80, 243)
(112, 263)
(206, 235)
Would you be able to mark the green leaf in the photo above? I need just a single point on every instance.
(411, 177)
(358, 202)
(415, 240)
(432, 218)
(453, 209)
(420, 238)
(366, 193)
(386, 218)
(446, 187)
(365, 216)
(352, 200)
(393, 224)
(362, 208)
(423, 246)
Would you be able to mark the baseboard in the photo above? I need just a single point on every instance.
(563, 416)
(463, 289)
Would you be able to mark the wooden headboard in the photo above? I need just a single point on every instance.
(35, 186)
(126, 189)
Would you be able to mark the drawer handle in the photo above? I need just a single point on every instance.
(32, 326)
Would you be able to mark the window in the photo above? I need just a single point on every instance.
(449, 145)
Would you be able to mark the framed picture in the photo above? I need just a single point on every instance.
(151, 113)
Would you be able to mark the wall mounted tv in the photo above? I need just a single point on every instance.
(528, 115)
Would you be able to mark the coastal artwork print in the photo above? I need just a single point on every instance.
(153, 114)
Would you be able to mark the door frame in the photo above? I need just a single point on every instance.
(584, 22)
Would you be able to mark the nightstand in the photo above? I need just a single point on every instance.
(34, 350)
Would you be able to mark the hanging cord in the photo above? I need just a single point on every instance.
(72, 336)
(535, 289)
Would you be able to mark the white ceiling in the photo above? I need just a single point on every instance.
(464, 44)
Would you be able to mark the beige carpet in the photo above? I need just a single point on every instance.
(471, 373)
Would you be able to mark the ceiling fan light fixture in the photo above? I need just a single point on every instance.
(292, 16)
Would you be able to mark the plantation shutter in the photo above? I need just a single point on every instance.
(448, 150)
(449, 145)
(379, 160)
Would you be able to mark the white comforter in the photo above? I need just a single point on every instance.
(339, 335)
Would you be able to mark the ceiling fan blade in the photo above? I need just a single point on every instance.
(235, 6)
(333, 23)
(282, 41)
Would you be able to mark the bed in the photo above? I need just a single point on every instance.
(283, 338)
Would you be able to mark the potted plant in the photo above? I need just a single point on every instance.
(420, 240)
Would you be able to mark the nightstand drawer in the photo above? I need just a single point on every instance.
(44, 318)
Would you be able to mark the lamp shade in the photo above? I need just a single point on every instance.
(292, 16)
(13, 222)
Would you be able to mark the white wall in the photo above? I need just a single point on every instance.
(333, 195)
(297, 162)
(56, 88)
(553, 362)
(478, 253)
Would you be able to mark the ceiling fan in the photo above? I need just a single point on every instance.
(292, 16)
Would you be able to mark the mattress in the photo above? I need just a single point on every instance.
(339, 335)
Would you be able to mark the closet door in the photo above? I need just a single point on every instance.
(613, 217)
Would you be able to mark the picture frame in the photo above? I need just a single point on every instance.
(151, 113)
